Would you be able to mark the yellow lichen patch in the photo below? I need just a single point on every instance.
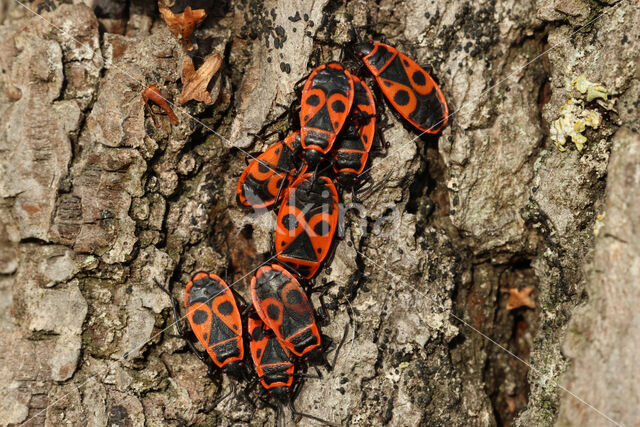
(572, 122)
(598, 224)
(593, 119)
(573, 118)
(592, 90)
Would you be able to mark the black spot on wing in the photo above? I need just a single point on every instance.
(225, 308)
(263, 167)
(401, 97)
(338, 106)
(200, 317)
(418, 78)
(294, 297)
(273, 311)
(313, 100)
(429, 112)
(322, 228)
(258, 334)
(289, 222)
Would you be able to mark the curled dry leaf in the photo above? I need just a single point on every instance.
(519, 297)
(196, 82)
(152, 93)
(183, 24)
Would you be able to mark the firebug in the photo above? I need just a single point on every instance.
(284, 307)
(409, 88)
(306, 223)
(351, 150)
(215, 320)
(267, 175)
(272, 361)
(326, 100)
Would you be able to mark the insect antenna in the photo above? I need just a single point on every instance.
(344, 338)
(280, 416)
(232, 390)
(295, 413)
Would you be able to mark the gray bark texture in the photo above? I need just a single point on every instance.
(533, 186)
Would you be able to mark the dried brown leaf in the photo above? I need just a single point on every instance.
(183, 24)
(196, 81)
(152, 94)
(519, 297)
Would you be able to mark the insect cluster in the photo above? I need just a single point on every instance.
(298, 175)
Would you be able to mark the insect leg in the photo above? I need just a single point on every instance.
(282, 186)
(232, 390)
(176, 310)
(344, 338)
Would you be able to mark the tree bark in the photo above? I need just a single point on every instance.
(101, 199)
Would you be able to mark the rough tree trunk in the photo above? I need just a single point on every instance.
(97, 203)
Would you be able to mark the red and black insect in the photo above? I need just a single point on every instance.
(326, 100)
(271, 359)
(409, 88)
(306, 223)
(284, 307)
(351, 150)
(215, 321)
(264, 178)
